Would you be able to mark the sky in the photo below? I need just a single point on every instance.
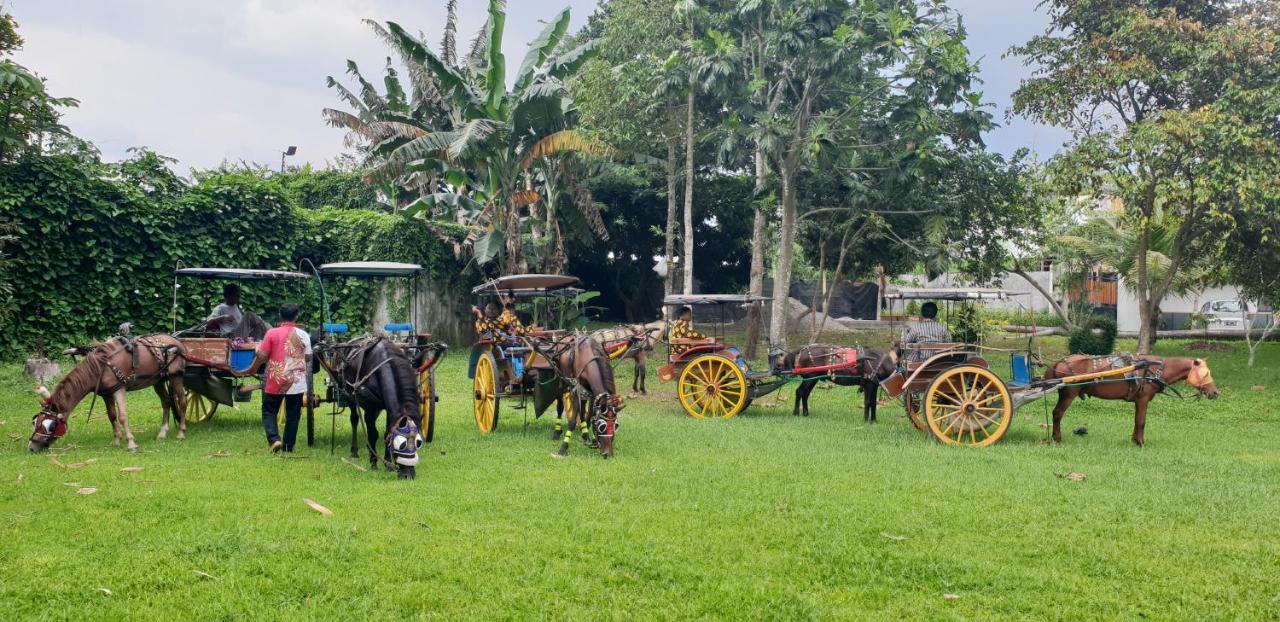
(232, 80)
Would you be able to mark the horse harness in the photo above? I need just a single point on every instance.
(1147, 371)
(554, 352)
(352, 356)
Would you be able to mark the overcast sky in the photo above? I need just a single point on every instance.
(206, 81)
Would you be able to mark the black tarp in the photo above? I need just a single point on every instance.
(850, 300)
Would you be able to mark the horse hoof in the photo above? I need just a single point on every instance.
(133, 449)
(556, 434)
(558, 456)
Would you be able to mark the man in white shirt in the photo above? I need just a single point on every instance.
(230, 321)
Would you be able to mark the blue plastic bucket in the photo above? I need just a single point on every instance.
(241, 359)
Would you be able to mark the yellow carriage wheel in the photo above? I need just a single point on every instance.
(911, 402)
(427, 405)
(968, 405)
(485, 393)
(712, 386)
(199, 407)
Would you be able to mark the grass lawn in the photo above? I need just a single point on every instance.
(763, 516)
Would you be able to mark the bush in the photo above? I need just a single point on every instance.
(966, 323)
(1096, 336)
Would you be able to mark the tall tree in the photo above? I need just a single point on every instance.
(28, 113)
(1172, 104)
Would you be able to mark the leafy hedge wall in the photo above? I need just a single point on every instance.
(92, 250)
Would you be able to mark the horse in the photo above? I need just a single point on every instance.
(872, 366)
(381, 377)
(1140, 386)
(111, 369)
(581, 369)
(636, 342)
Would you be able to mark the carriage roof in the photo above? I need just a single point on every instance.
(711, 299)
(949, 293)
(370, 269)
(528, 284)
(240, 274)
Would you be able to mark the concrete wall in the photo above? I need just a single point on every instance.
(1026, 296)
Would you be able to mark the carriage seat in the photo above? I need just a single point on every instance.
(403, 327)
(337, 329)
(930, 350)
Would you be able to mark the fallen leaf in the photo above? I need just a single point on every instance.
(1072, 475)
(295, 457)
(105, 591)
(951, 597)
(19, 480)
(131, 470)
(1258, 387)
(55, 462)
(14, 437)
(204, 575)
(79, 465)
(354, 465)
(889, 536)
(317, 507)
(424, 526)
(87, 490)
(219, 454)
(72, 484)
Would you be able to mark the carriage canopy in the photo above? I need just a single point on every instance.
(525, 283)
(711, 299)
(948, 293)
(370, 269)
(240, 274)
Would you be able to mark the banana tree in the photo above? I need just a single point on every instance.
(495, 132)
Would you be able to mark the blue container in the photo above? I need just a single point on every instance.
(517, 366)
(241, 359)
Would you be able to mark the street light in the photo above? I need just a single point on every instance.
(287, 152)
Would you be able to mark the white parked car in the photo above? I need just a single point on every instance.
(1224, 315)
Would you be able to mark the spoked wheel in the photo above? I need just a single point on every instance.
(911, 402)
(485, 393)
(968, 405)
(712, 387)
(427, 404)
(199, 407)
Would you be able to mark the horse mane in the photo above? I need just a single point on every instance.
(79, 382)
(601, 359)
(406, 378)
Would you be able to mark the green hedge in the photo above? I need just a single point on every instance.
(1096, 335)
(93, 250)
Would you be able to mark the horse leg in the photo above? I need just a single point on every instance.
(869, 400)
(115, 425)
(642, 369)
(559, 427)
(355, 426)
(123, 417)
(568, 433)
(371, 434)
(1140, 418)
(802, 397)
(178, 398)
(1065, 397)
(164, 409)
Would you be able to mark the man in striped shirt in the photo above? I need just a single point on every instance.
(929, 330)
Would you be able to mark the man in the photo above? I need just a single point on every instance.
(286, 350)
(489, 322)
(232, 322)
(510, 321)
(928, 330)
(227, 317)
(682, 328)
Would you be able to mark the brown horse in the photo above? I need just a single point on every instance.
(872, 366)
(110, 370)
(581, 369)
(638, 340)
(1140, 386)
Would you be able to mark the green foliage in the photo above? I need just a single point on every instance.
(913, 308)
(966, 323)
(28, 114)
(1096, 335)
(89, 253)
(330, 189)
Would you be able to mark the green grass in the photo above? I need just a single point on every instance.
(763, 516)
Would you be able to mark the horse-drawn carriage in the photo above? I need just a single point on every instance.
(213, 358)
(950, 391)
(502, 364)
(338, 353)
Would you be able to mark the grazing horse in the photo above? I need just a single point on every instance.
(636, 342)
(1140, 386)
(581, 369)
(872, 366)
(110, 370)
(379, 374)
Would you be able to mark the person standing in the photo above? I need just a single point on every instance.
(286, 350)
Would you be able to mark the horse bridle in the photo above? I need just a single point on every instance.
(602, 416)
(48, 425)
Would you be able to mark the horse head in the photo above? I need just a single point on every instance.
(1202, 379)
(48, 425)
(604, 421)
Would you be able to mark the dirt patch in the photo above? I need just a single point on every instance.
(1210, 346)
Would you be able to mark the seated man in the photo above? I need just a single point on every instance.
(231, 322)
(489, 323)
(929, 330)
(682, 328)
(511, 322)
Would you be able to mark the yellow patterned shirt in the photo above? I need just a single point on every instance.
(511, 323)
(683, 329)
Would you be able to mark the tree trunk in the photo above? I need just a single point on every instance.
(756, 285)
(687, 261)
(782, 270)
(669, 251)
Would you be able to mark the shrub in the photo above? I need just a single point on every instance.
(966, 323)
(1096, 336)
